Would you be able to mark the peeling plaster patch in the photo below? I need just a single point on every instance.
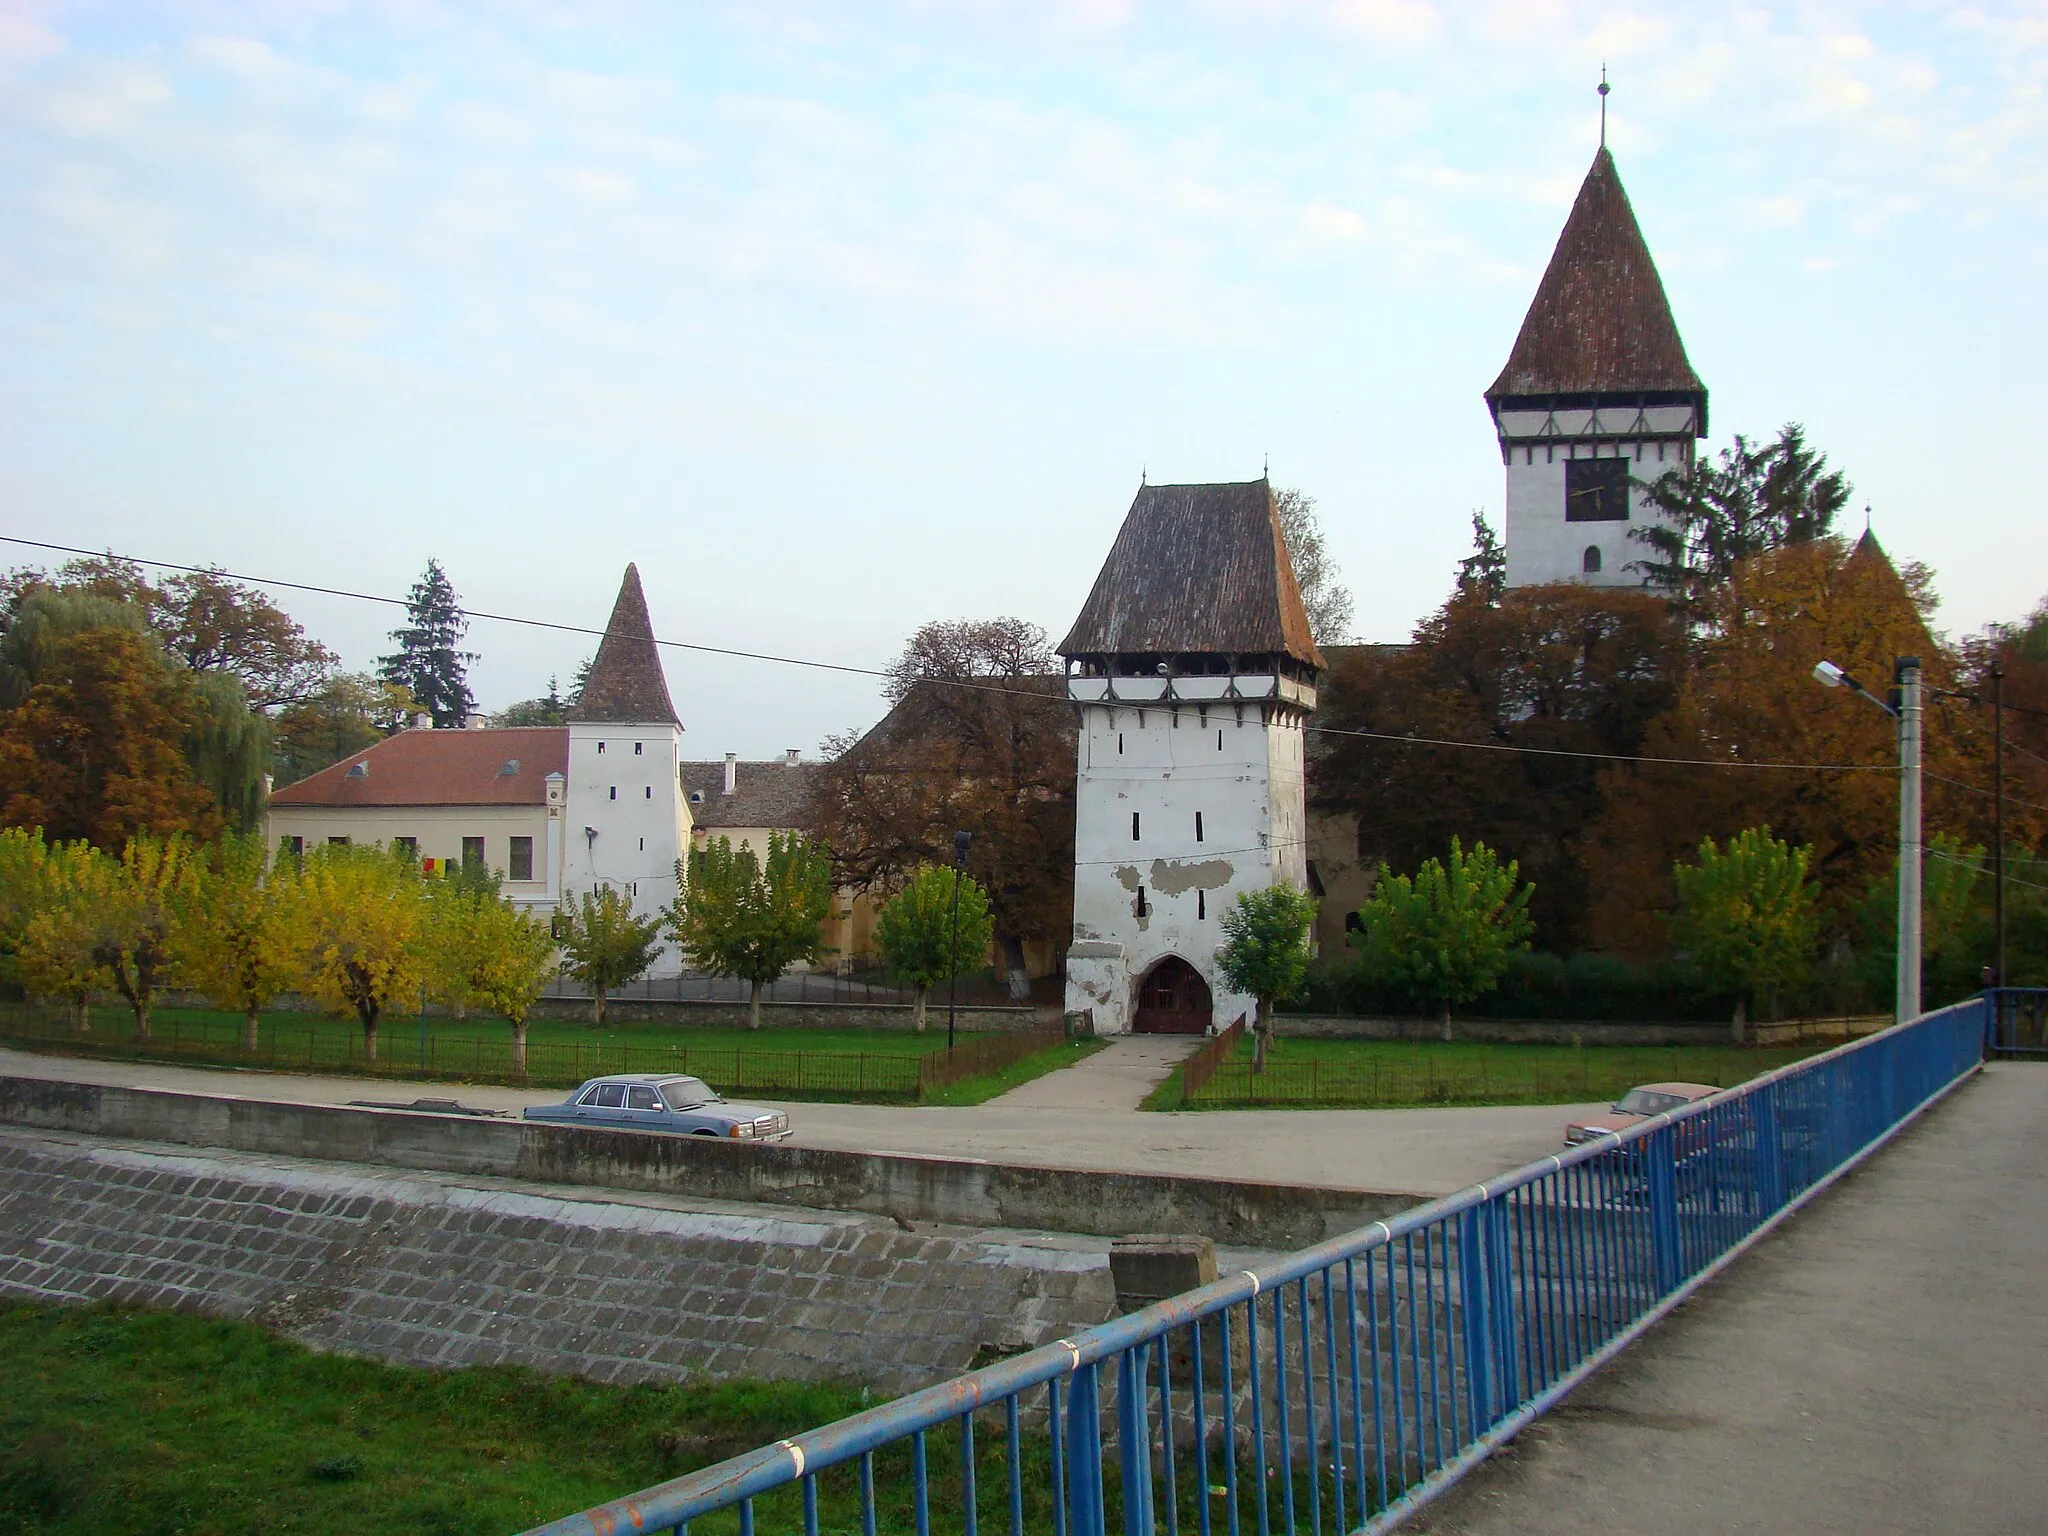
(1174, 878)
(1127, 876)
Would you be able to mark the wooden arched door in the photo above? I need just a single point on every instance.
(1173, 1000)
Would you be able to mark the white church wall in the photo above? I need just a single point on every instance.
(1217, 763)
(626, 824)
(1543, 547)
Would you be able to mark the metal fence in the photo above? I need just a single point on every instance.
(1340, 1387)
(1202, 1063)
(2018, 1021)
(436, 1054)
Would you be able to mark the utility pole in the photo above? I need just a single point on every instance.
(960, 842)
(1998, 823)
(1906, 670)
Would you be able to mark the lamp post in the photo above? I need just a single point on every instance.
(1907, 711)
(960, 843)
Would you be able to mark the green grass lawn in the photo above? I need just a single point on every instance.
(1388, 1074)
(775, 1061)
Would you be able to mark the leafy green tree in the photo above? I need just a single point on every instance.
(1325, 599)
(345, 715)
(1266, 953)
(1444, 936)
(738, 916)
(485, 953)
(362, 913)
(59, 954)
(917, 936)
(137, 923)
(549, 709)
(429, 662)
(1756, 498)
(24, 871)
(1955, 920)
(237, 939)
(1748, 915)
(604, 945)
(1483, 574)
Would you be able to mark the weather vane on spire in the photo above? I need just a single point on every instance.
(1603, 106)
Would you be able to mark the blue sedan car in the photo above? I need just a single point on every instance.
(680, 1106)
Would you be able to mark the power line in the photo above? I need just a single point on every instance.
(1983, 869)
(971, 685)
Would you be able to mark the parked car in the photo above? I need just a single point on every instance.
(679, 1106)
(1634, 1107)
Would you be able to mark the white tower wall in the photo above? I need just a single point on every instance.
(1543, 543)
(626, 822)
(1160, 884)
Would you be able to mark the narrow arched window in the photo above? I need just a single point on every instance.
(1591, 564)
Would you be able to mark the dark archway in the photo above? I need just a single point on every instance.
(1173, 1000)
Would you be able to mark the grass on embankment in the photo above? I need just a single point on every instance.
(119, 1420)
(776, 1062)
(1397, 1074)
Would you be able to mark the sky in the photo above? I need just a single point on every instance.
(841, 317)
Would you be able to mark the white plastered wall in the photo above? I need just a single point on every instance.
(626, 823)
(1542, 546)
(438, 831)
(1242, 776)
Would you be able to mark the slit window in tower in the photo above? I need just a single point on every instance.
(1134, 826)
(1596, 490)
(1201, 902)
(1119, 743)
(650, 791)
(1219, 741)
(1142, 908)
(1198, 826)
(615, 791)
(636, 748)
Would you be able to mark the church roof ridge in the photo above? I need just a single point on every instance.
(1600, 322)
(1196, 568)
(626, 685)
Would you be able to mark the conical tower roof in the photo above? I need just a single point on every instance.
(626, 686)
(1600, 323)
(1196, 568)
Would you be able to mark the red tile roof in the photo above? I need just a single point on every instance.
(1600, 323)
(427, 767)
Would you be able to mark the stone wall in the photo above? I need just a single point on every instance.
(438, 1270)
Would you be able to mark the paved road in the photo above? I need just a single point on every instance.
(1877, 1366)
(1421, 1151)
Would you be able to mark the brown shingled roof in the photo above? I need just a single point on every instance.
(1196, 568)
(428, 767)
(626, 685)
(777, 794)
(1600, 323)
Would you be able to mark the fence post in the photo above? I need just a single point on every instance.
(1661, 1149)
(1770, 1163)
(1134, 1440)
(1476, 1325)
(1084, 1455)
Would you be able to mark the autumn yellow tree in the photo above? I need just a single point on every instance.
(237, 937)
(484, 953)
(362, 916)
(136, 924)
(24, 863)
(59, 955)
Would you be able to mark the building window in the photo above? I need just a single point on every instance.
(1119, 743)
(1219, 741)
(643, 845)
(521, 860)
(1142, 908)
(1590, 562)
(636, 748)
(1596, 490)
(615, 791)
(472, 852)
(410, 844)
(1134, 826)
(295, 846)
(1198, 826)
(600, 749)
(337, 842)
(1201, 902)
(650, 791)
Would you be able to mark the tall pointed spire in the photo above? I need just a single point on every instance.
(626, 685)
(1600, 323)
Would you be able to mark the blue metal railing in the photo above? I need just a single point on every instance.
(1345, 1385)
(2017, 1021)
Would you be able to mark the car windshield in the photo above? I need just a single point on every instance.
(1648, 1101)
(687, 1092)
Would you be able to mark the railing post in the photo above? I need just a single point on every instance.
(1084, 1454)
(1476, 1326)
(1134, 1441)
(1769, 1167)
(1661, 1148)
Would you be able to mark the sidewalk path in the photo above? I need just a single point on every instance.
(1117, 1077)
(1874, 1367)
(1424, 1151)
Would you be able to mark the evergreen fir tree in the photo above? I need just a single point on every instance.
(1484, 572)
(427, 662)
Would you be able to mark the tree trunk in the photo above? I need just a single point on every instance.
(81, 1015)
(368, 1015)
(1741, 1025)
(917, 1012)
(597, 1005)
(1019, 973)
(519, 1047)
(141, 1005)
(250, 1017)
(1262, 1034)
(1447, 1018)
(753, 1005)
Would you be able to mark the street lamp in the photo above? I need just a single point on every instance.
(960, 843)
(1907, 712)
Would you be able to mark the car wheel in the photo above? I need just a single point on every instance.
(703, 1133)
